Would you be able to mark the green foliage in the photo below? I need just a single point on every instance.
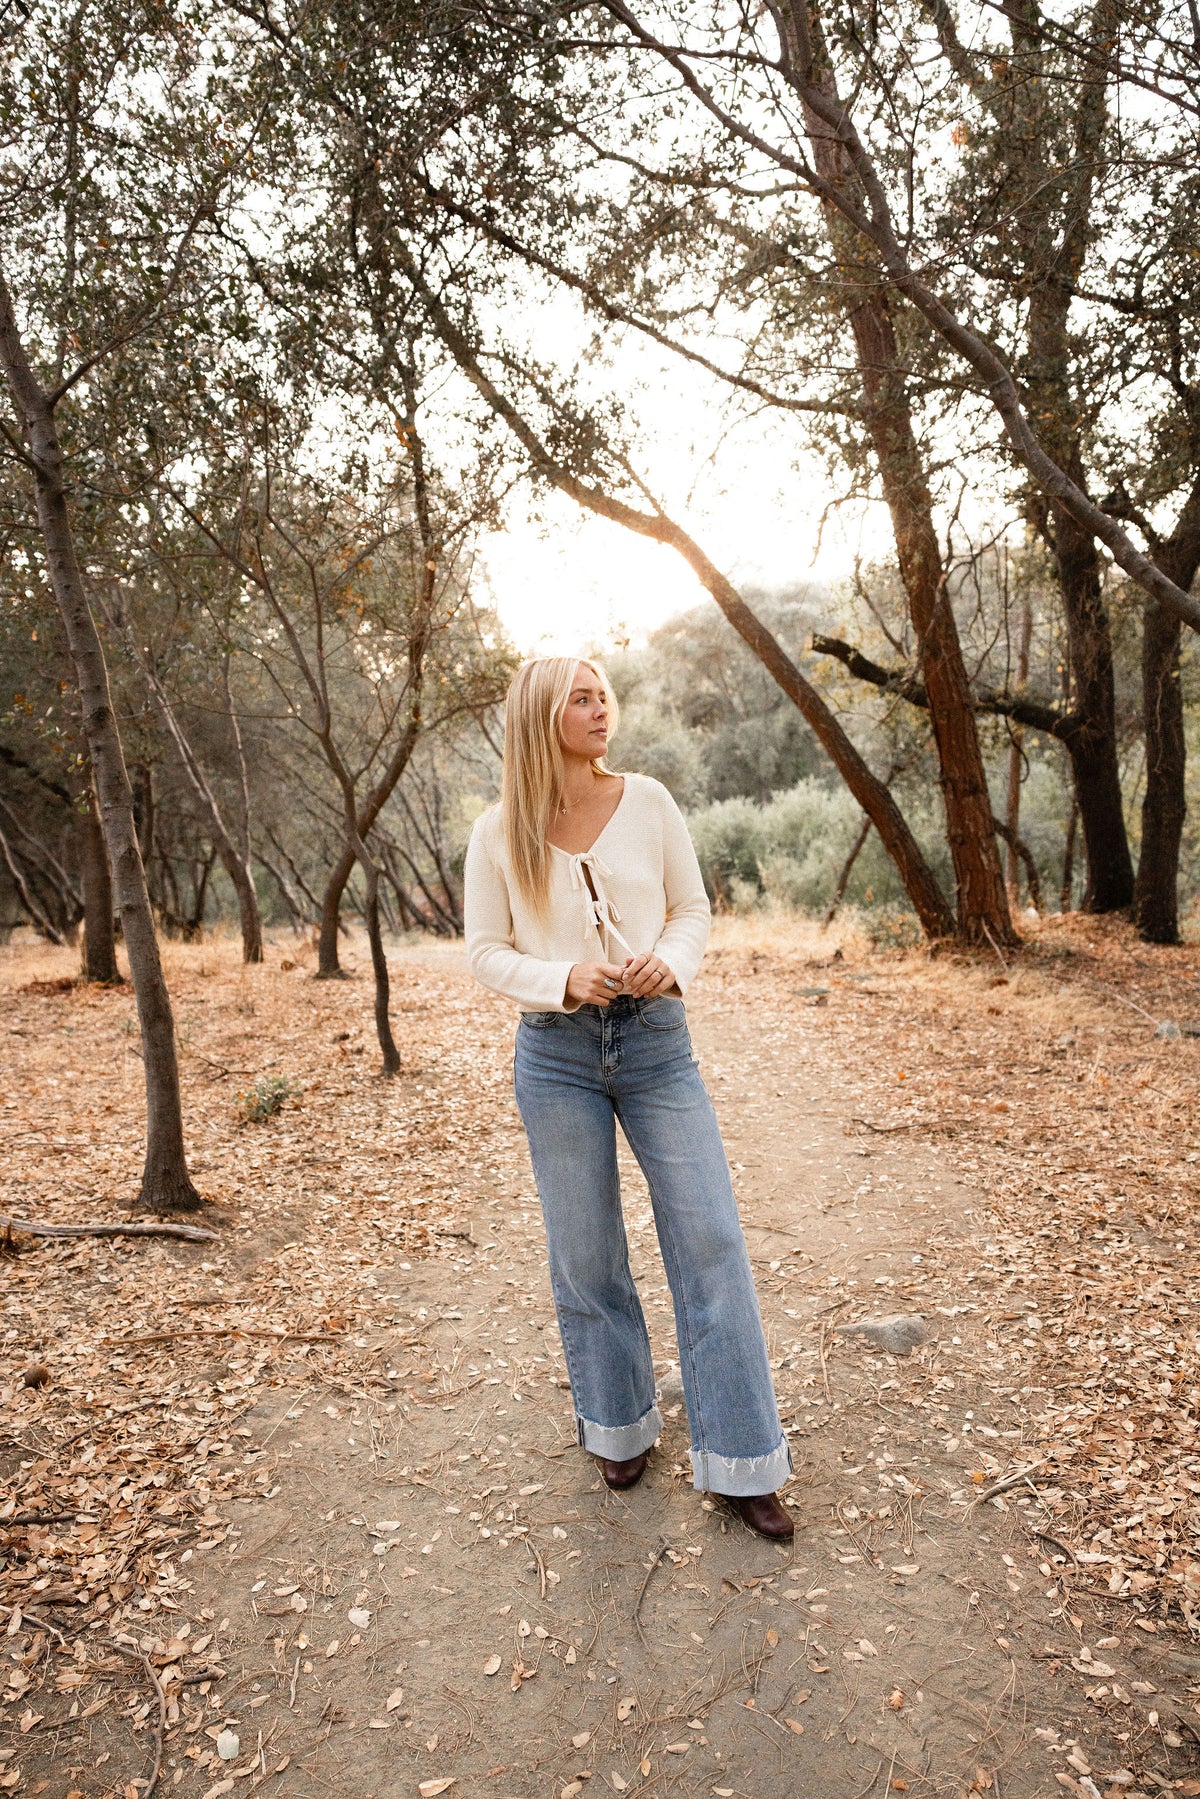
(268, 1095)
(790, 851)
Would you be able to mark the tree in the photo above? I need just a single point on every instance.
(127, 139)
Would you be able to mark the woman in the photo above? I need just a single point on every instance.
(584, 904)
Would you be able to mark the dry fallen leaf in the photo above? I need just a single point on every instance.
(624, 1707)
(395, 1699)
(429, 1789)
(896, 1699)
(582, 1737)
(795, 1726)
(492, 1665)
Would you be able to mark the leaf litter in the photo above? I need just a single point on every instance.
(126, 1468)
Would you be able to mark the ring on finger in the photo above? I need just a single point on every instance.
(610, 984)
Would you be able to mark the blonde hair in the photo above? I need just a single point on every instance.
(532, 782)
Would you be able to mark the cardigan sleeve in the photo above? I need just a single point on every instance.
(535, 984)
(684, 936)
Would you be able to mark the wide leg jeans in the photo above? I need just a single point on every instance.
(577, 1074)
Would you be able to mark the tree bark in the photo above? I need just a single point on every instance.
(982, 902)
(920, 884)
(250, 918)
(1016, 760)
(1091, 742)
(1164, 804)
(329, 967)
(847, 869)
(166, 1184)
(1066, 886)
(95, 879)
(1023, 855)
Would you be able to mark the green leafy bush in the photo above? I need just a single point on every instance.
(266, 1097)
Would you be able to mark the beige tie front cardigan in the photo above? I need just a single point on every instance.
(648, 896)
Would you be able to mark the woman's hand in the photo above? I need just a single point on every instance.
(594, 983)
(646, 976)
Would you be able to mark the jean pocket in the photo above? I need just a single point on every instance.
(539, 1021)
(662, 1014)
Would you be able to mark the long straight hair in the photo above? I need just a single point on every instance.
(532, 783)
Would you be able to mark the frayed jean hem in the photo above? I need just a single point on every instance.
(741, 1476)
(620, 1442)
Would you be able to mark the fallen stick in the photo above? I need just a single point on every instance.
(19, 1611)
(655, 1560)
(823, 1348)
(231, 1330)
(161, 1727)
(36, 1518)
(1010, 1480)
(191, 1233)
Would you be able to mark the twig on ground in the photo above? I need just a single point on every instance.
(160, 1728)
(36, 1518)
(1010, 1480)
(541, 1566)
(295, 1678)
(1043, 1536)
(654, 1561)
(42, 1623)
(191, 1233)
(823, 1349)
(228, 1330)
(871, 1782)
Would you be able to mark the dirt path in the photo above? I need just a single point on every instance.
(431, 1586)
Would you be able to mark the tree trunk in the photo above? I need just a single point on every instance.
(1164, 805)
(166, 1184)
(1054, 229)
(95, 877)
(983, 910)
(1016, 760)
(329, 967)
(242, 877)
(1066, 887)
(383, 1023)
(1092, 740)
(982, 904)
(847, 869)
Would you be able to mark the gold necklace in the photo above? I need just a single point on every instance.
(563, 807)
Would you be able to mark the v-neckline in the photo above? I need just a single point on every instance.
(604, 827)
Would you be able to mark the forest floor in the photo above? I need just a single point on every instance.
(301, 1506)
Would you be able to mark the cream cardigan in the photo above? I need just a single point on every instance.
(648, 896)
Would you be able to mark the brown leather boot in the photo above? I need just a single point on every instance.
(764, 1513)
(619, 1475)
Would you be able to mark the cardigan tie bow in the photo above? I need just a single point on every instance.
(599, 909)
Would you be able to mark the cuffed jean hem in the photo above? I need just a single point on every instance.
(741, 1476)
(620, 1442)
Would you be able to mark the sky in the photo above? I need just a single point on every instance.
(571, 582)
(746, 487)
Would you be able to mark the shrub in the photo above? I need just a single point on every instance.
(266, 1097)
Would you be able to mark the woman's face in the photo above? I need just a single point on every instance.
(584, 728)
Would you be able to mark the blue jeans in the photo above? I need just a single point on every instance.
(576, 1074)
